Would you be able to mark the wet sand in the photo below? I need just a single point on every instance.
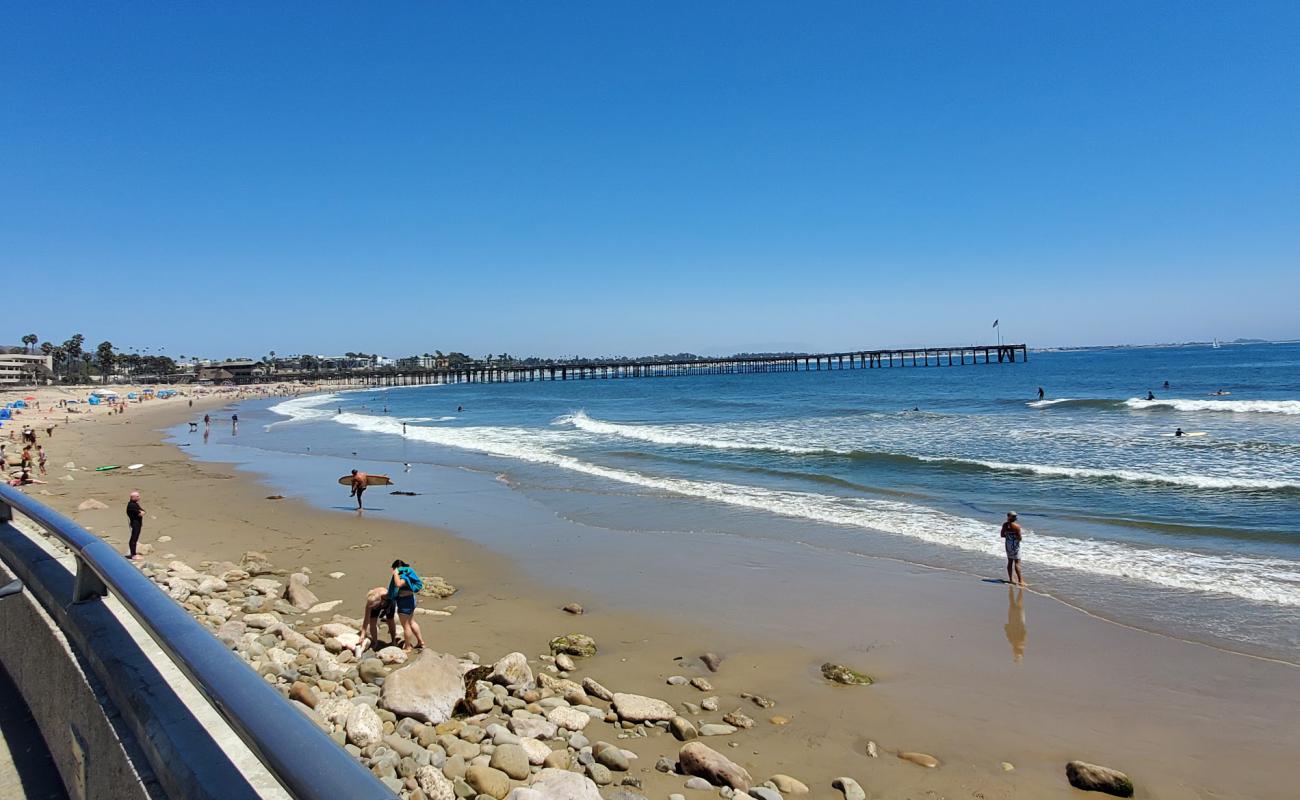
(1183, 719)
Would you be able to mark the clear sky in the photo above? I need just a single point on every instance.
(612, 177)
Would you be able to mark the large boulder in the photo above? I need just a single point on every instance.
(838, 673)
(488, 781)
(637, 708)
(510, 759)
(297, 593)
(559, 784)
(702, 761)
(1093, 778)
(426, 688)
(512, 670)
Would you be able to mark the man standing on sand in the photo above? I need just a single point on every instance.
(359, 481)
(135, 516)
(1011, 535)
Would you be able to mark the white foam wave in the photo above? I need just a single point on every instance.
(1290, 407)
(301, 409)
(693, 436)
(1264, 580)
(1049, 403)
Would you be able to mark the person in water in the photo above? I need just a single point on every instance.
(1150, 395)
(1040, 393)
(1166, 384)
(359, 483)
(1011, 535)
(1178, 432)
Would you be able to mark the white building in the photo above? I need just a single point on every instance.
(24, 368)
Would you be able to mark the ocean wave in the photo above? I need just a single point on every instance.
(1088, 402)
(690, 438)
(1265, 580)
(302, 409)
(1289, 407)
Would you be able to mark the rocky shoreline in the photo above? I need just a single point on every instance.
(436, 726)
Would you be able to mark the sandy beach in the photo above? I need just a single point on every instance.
(972, 673)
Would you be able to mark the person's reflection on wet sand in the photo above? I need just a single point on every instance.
(1015, 627)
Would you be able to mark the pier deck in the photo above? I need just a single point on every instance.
(604, 370)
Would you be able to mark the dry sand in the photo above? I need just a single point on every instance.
(1184, 720)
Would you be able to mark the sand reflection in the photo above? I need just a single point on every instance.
(1015, 629)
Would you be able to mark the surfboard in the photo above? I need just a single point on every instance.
(1185, 435)
(371, 480)
(135, 466)
(107, 468)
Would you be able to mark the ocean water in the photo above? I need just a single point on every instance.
(1196, 537)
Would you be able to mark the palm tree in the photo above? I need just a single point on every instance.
(30, 340)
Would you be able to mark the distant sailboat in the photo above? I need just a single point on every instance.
(1216, 343)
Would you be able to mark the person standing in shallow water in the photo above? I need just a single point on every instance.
(1011, 536)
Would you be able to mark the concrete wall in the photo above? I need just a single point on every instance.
(141, 729)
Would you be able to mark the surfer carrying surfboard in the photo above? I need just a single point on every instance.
(359, 483)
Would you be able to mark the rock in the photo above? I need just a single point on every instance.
(324, 608)
(591, 687)
(712, 661)
(266, 586)
(510, 759)
(737, 719)
(512, 670)
(638, 708)
(211, 585)
(91, 504)
(600, 774)
(336, 576)
(371, 669)
(1094, 778)
(231, 633)
(558, 759)
(709, 704)
(677, 680)
(488, 781)
(434, 785)
(334, 709)
(304, 694)
(532, 727)
(1007, 766)
(702, 684)
(610, 756)
(363, 726)
(568, 718)
(787, 785)
(715, 729)
(764, 793)
(260, 620)
(575, 644)
(850, 788)
(565, 662)
(838, 673)
(921, 759)
(698, 784)
(437, 587)
(702, 761)
(683, 729)
(558, 784)
(574, 608)
(392, 655)
(872, 750)
(777, 719)
(535, 750)
(426, 688)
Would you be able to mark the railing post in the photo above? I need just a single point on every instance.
(88, 585)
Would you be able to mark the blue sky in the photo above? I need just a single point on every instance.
(609, 177)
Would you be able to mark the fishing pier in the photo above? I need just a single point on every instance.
(515, 372)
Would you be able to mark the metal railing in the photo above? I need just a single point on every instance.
(309, 764)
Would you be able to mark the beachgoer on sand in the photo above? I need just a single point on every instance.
(135, 517)
(359, 482)
(401, 590)
(207, 419)
(1011, 535)
(378, 607)
(40, 458)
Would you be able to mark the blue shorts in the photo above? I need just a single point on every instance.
(405, 604)
(1013, 548)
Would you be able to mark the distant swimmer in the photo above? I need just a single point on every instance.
(1150, 395)
(359, 482)
(1011, 535)
(1041, 395)
(403, 428)
(460, 408)
(406, 467)
(1166, 384)
(1178, 432)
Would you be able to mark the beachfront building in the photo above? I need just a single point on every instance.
(231, 371)
(25, 368)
